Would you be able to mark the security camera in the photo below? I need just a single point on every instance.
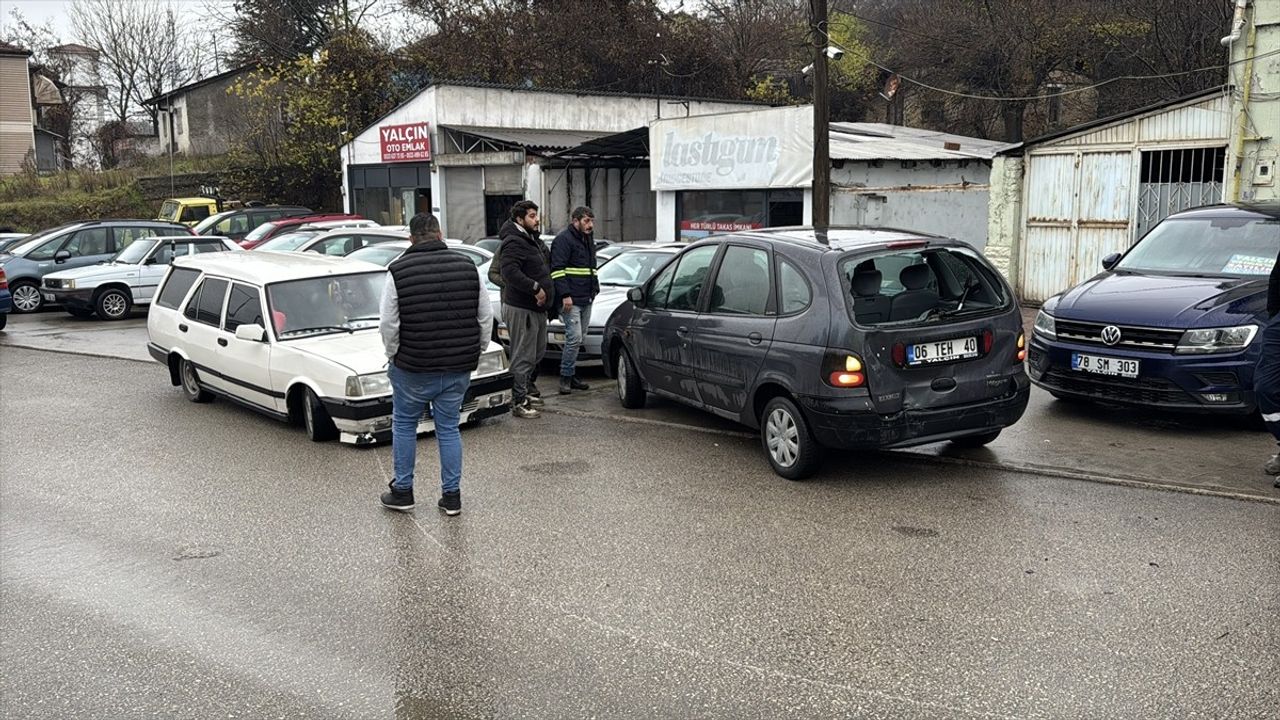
(806, 69)
(834, 52)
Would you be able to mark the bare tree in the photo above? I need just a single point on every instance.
(145, 51)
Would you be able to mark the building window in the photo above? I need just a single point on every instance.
(710, 212)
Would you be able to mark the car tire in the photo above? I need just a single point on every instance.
(81, 313)
(631, 390)
(26, 297)
(190, 381)
(113, 304)
(316, 420)
(787, 442)
(976, 441)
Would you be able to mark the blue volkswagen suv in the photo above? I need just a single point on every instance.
(1173, 323)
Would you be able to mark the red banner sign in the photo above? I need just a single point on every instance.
(404, 143)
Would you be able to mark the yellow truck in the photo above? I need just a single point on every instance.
(188, 211)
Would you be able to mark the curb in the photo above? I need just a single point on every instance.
(922, 459)
(81, 353)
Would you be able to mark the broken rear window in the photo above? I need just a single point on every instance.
(920, 286)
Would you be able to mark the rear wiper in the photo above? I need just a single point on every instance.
(317, 328)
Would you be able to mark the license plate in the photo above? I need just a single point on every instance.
(942, 351)
(49, 297)
(1099, 365)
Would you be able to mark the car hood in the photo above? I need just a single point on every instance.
(93, 271)
(362, 351)
(605, 303)
(1163, 300)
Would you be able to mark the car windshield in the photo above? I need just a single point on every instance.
(633, 268)
(920, 286)
(287, 242)
(169, 210)
(260, 232)
(1212, 247)
(377, 254)
(330, 304)
(35, 241)
(204, 225)
(134, 252)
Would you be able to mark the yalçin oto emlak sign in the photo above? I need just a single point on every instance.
(402, 143)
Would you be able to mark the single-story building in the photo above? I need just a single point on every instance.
(468, 152)
(200, 118)
(752, 169)
(1062, 202)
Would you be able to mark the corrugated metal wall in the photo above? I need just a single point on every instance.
(1081, 192)
(17, 136)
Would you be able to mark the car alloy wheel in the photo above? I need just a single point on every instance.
(26, 298)
(783, 438)
(113, 305)
(191, 383)
(622, 377)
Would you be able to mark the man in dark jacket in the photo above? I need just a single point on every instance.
(527, 293)
(1266, 377)
(436, 320)
(573, 268)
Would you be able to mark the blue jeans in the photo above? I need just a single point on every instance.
(576, 321)
(410, 395)
(1266, 377)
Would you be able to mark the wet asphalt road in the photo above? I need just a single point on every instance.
(162, 559)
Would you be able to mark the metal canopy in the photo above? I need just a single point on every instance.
(532, 140)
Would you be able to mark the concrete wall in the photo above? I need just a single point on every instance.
(947, 198)
(1257, 148)
(209, 118)
(1004, 221)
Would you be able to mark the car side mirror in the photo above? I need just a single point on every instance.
(62, 256)
(1109, 262)
(636, 296)
(251, 333)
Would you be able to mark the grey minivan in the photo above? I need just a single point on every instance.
(71, 246)
(853, 338)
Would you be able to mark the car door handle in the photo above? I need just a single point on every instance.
(755, 338)
(183, 328)
(222, 342)
(682, 331)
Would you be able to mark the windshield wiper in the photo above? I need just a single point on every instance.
(364, 319)
(317, 328)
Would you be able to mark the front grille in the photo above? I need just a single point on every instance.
(1148, 391)
(52, 283)
(469, 406)
(1130, 337)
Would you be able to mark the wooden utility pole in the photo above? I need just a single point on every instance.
(821, 111)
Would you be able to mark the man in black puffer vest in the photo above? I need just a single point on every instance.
(527, 293)
(436, 319)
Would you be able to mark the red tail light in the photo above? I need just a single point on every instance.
(900, 355)
(988, 340)
(4, 281)
(844, 370)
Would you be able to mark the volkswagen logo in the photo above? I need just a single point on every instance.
(1111, 335)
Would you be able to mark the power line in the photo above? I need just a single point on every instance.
(1072, 91)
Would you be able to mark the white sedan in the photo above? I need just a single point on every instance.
(294, 337)
(113, 288)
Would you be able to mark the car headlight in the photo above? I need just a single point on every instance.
(1046, 325)
(492, 362)
(366, 385)
(1216, 340)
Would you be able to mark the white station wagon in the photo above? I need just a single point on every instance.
(318, 361)
(129, 278)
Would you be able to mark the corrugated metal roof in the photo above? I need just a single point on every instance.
(531, 139)
(880, 141)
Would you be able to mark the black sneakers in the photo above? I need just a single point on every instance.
(526, 410)
(577, 384)
(397, 499)
(566, 385)
(451, 503)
